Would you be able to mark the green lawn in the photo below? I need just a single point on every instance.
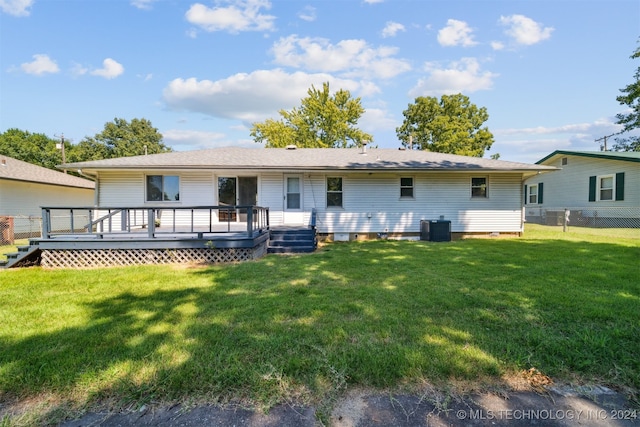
(304, 328)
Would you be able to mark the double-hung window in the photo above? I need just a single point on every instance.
(334, 192)
(163, 188)
(479, 187)
(606, 187)
(406, 188)
(533, 194)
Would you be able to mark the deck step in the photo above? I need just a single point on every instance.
(292, 240)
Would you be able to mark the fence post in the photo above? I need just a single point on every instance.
(565, 222)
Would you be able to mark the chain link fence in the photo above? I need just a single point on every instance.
(19, 227)
(600, 217)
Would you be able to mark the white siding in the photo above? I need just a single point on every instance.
(569, 187)
(371, 201)
(26, 199)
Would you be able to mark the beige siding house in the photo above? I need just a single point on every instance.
(351, 193)
(25, 187)
(596, 188)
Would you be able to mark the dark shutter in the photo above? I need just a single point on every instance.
(592, 188)
(525, 195)
(540, 193)
(620, 186)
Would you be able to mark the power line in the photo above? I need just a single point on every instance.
(604, 138)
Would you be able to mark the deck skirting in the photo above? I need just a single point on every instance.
(95, 258)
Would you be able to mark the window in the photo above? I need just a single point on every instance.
(479, 187)
(293, 192)
(406, 188)
(606, 187)
(564, 161)
(334, 192)
(533, 194)
(163, 188)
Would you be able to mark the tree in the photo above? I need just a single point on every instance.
(630, 121)
(322, 121)
(451, 125)
(120, 139)
(35, 148)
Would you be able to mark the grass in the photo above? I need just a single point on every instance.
(301, 329)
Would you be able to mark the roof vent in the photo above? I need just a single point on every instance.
(4, 162)
(291, 147)
(364, 147)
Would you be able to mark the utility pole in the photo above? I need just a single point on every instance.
(60, 147)
(604, 138)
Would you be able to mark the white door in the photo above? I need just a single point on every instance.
(293, 200)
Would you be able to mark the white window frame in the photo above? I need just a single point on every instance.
(412, 187)
(600, 189)
(531, 190)
(486, 187)
(163, 200)
(341, 192)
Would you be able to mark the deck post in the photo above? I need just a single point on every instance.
(151, 222)
(250, 221)
(46, 223)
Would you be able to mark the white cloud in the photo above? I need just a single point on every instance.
(142, 4)
(373, 1)
(524, 30)
(41, 65)
(353, 58)
(250, 97)
(496, 45)
(391, 29)
(308, 14)
(456, 33)
(463, 76)
(16, 7)
(110, 70)
(375, 119)
(239, 15)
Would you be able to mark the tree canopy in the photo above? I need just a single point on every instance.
(450, 125)
(120, 138)
(631, 120)
(322, 121)
(35, 148)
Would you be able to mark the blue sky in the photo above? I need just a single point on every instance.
(548, 71)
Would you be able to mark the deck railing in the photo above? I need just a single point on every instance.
(154, 222)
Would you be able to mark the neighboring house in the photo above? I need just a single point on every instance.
(353, 193)
(597, 188)
(25, 187)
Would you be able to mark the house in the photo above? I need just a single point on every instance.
(25, 187)
(595, 188)
(227, 204)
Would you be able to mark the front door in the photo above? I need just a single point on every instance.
(293, 209)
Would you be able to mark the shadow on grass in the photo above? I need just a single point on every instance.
(374, 314)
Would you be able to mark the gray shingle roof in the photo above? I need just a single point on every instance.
(17, 170)
(306, 159)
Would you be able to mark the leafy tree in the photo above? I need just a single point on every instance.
(630, 121)
(451, 125)
(35, 148)
(322, 121)
(120, 139)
